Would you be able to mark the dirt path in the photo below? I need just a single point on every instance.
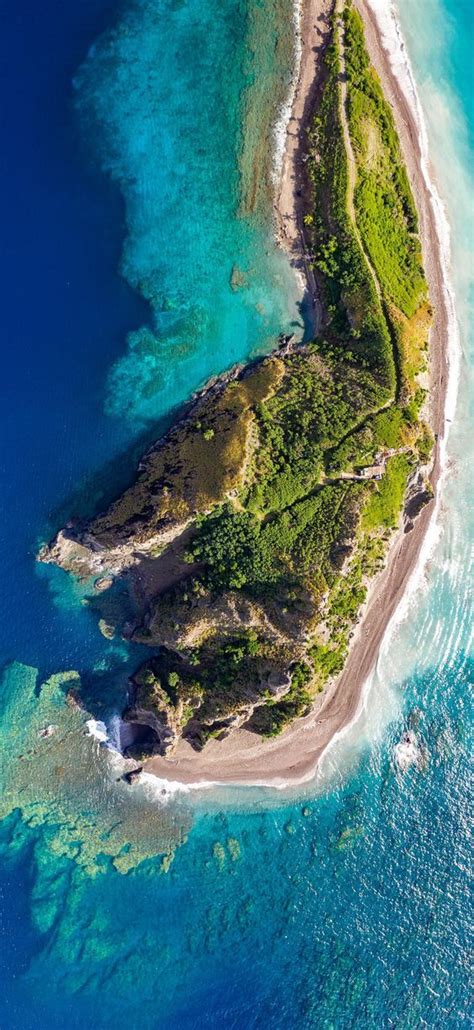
(351, 161)
(351, 185)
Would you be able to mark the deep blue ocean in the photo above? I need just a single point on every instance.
(135, 194)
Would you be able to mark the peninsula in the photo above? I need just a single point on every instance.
(269, 535)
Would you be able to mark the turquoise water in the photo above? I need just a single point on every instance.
(345, 903)
(165, 97)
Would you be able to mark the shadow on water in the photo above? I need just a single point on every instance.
(104, 484)
(104, 691)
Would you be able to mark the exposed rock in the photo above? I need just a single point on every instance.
(103, 583)
(47, 731)
(200, 611)
(419, 494)
(107, 629)
(133, 776)
(168, 701)
(416, 502)
(410, 752)
(161, 702)
(197, 464)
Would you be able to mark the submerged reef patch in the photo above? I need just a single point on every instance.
(60, 778)
(162, 98)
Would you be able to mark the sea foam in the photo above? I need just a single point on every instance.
(159, 789)
(97, 729)
(395, 47)
(281, 125)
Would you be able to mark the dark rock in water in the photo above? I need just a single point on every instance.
(414, 718)
(133, 776)
(238, 279)
(103, 583)
(107, 629)
(47, 731)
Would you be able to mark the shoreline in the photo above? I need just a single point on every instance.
(293, 758)
(310, 19)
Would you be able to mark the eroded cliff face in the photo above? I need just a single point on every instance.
(200, 462)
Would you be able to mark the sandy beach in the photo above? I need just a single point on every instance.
(244, 758)
(290, 196)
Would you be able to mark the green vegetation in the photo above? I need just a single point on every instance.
(266, 491)
(357, 323)
(268, 557)
(383, 508)
(386, 214)
(270, 719)
(378, 433)
(293, 548)
(320, 399)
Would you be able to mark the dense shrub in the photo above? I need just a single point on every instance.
(384, 203)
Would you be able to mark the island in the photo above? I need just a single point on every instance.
(269, 535)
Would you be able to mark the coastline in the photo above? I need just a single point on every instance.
(289, 201)
(293, 757)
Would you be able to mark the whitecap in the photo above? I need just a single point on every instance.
(97, 729)
(281, 126)
(164, 790)
(407, 752)
(394, 44)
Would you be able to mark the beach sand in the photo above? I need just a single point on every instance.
(245, 758)
(290, 195)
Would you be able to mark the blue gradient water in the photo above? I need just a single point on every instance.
(164, 98)
(355, 913)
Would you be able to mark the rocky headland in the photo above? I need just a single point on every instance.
(256, 526)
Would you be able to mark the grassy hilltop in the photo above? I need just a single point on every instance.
(259, 495)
